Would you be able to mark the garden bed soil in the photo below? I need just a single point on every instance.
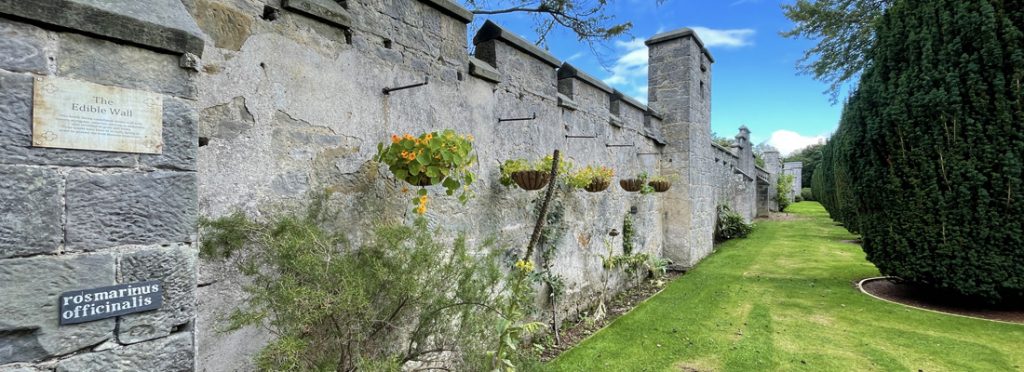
(929, 299)
(572, 334)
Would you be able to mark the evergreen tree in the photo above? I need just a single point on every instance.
(934, 146)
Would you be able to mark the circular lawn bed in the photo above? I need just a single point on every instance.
(892, 290)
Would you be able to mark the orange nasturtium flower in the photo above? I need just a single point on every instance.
(395, 138)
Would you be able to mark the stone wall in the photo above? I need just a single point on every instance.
(73, 219)
(293, 104)
(268, 101)
(773, 166)
(796, 169)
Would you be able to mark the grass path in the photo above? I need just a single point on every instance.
(783, 299)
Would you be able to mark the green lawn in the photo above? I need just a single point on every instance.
(783, 299)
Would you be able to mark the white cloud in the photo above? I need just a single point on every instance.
(629, 73)
(788, 141)
(575, 56)
(734, 38)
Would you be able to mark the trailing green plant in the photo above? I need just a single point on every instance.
(552, 233)
(432, 158)
(628, 234)
(783, 189)
(585, 176)
(730, 225)
(401, 297)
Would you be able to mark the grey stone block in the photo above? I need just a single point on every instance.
(30, 211)
(106, 210)
(324, 10)
(175, 266)
(160, 24)
(25, 48)
(16, 132)
(181, 137)
(168, 354)
(109, 63)
(226, 121)
(31, 287)
(483, 70)
(451, 9)
(227, 26)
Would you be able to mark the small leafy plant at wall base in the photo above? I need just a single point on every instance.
(730, 225)
(592, 178)
(430, 159)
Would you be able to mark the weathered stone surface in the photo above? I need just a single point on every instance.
(105, 210)
(483, 70)
(160, 24)
(30, 211)
(324, 10)
(175, 266)
(105, 62)
(451, 9)
(226, 121)
(227, 26)
(32, 286)
(181, 138)
(20, 367)
(26, 48)
(16, 132)
(168, 354)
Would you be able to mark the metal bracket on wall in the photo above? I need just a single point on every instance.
(387, 91)
(619, 145)
(518, 119)
(568, 136)
(648, 153)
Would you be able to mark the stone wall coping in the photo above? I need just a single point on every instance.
(618, 95)
(680, 33)
(569, 71)
(491, 31)
(723, 149)
(159, 24)
(483, 70)
(655, 114)
(451, 9)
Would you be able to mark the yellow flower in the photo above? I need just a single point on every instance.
(405, 190)
(428, 137)
(423, 199)
(469, 137)
(525, 266)
(409, 136)
(421, 209)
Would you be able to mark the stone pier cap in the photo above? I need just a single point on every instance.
(680, 33)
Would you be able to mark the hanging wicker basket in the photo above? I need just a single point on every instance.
(632, 184)
(660, 186)
(531, 180)
(598, 185)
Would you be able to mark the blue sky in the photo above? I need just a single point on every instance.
(755, 81)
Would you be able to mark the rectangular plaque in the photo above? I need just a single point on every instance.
(74, 114)
(87, 305)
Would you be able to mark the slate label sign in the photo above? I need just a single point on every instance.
(87, 305)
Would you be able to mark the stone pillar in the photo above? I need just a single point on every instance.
(773, 164)
(746, 194)
(79, 219)
(680, 89)
(796, 169)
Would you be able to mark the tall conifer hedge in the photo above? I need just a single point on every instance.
(927, 163)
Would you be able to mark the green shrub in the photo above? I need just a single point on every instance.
(807, 194)
(783, 188)
(798, 198)
(730, 225)
(929, 156)
(401, 297)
